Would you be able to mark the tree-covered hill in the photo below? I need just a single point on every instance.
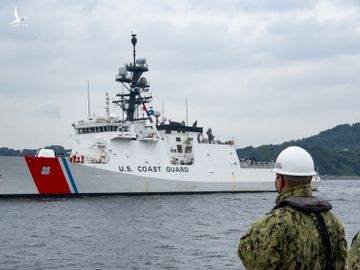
(59, 150)
(335, 151)
(340, 137)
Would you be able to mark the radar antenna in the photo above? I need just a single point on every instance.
(135, 84)
(134, 41)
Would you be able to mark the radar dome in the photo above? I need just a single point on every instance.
(114, 115)
(157, 113)
(143, 82)
(45, 153)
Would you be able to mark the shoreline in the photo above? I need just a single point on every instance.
(339, 177)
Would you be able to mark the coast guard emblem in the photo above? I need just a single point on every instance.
(45, 170)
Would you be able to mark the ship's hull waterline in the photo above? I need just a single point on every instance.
(57, 176)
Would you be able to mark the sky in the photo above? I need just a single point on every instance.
(259, 72)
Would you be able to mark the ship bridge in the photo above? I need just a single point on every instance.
(178, 127)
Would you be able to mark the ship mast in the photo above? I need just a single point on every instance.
(130, 77)
(134, 41)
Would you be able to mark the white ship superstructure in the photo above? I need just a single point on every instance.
(137, 152)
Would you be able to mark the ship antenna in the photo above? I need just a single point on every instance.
(136, 85)
(107, 108)
(187, 117)
(187, 112)
(133, 41)
(88, 93)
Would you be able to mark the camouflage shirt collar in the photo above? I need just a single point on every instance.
(303, 191)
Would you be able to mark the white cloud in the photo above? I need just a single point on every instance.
(258, 71)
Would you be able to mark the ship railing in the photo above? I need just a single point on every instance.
(96, 161)
(139, 64)
(257, 164)
(125, 135)
(230, 142)
(149, 137)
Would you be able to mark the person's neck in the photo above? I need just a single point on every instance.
(287, 186)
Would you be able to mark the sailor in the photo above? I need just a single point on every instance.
(300, 232)
(353, 262)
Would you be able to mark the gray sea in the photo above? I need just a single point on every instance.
(144, 232)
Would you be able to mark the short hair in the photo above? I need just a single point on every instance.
(296, 179)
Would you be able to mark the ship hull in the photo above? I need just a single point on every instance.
(58, 176)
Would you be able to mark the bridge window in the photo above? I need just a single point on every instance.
(179, 148)
(188, 149)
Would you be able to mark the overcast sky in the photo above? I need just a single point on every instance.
(257, 71)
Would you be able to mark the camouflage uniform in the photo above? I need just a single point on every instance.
(289, 239)
(354, 254)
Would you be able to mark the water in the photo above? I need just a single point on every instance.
(144, 232)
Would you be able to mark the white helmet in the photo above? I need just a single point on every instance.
(294, 161)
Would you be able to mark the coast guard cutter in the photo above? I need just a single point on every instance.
(136, 152)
